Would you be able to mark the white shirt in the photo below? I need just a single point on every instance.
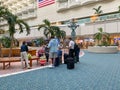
(71, 44)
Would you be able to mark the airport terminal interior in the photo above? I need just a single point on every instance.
(79, 19)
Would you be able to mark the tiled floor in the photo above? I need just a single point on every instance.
(94, 72)
(16, 66)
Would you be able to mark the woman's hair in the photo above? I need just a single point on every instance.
(70, 38)
(24, 42)
(52, 37)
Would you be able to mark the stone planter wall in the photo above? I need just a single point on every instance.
(103, 49)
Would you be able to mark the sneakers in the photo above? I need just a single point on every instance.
(47, 63)
(28, 67)
(51, 66)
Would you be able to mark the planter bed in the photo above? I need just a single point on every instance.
(103, 49)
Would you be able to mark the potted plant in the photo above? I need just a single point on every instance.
(42, 60)
(98, 11)
(101, 37)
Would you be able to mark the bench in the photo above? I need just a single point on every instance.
(8, 60)
(33, 58)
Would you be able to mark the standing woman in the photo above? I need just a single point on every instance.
(24, 51)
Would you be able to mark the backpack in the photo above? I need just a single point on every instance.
(76, 47)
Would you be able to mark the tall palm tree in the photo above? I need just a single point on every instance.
(1, 32)
(12, 20)
(101, 36)
(50, 30)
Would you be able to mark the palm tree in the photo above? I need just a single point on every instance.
(1, 32)
(119, 9)
(98, 10)
(12, 20)
(50, 30)
(0, 47)
(102, 37)
(61, 34)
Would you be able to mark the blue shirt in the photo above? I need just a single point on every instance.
(59, 52)
(24, 48)
(53, 45)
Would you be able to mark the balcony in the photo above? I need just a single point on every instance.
(19, 5)
(25, 12)
(24, 3)
(62, 6)
(24, 16)
(3, 22)
(32, 15)
(74, 3)
(19, 14)
(61, 0)
(85, 2)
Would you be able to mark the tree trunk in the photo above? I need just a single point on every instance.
(0, 50)
(11, 46)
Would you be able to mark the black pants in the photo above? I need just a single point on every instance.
(71, 52)
(77, 55)
(47, 56)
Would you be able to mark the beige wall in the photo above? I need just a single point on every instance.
(50, 12)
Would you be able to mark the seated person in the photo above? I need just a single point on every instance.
(41, 51)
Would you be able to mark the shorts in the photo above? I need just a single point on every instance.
(53, 55)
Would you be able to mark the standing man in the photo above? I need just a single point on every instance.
(53, 49)
(24, 50)
(77, 52)
(71, 47)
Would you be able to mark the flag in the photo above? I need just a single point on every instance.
(42, 3)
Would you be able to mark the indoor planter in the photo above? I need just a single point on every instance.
(102, 43)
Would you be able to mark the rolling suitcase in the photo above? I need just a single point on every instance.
(65, 58)
(70, 63)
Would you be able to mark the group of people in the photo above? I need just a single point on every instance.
(74, 50)
(52, 51)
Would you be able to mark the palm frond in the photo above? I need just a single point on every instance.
(41, 26)
(20, 27)
(119, 9)
(46, 22)
(99, 7)
(26, 26)
(98, 10)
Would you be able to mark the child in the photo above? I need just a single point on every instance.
(41, 51)
(47, 53)
(60, 55)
